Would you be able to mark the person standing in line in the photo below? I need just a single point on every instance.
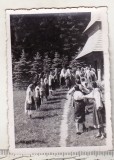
(56, 78)
(51, 79)
(46, 86)
(37, 97)
(72, 78)
(98, 110)
(88, 77)
(93, 74)
(29, 101)
(62, 76)
(82, 74)
(42, 90)
(78, 72)
(79, 108)
(53, 82)
(68, 78)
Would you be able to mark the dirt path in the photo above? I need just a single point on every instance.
(64, 122)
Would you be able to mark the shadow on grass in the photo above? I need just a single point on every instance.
(30, 141)
(90, 128)
(59, 94)
(62, 90)
(57, 98)
(88, 112)
(52, 102)
(50, 109)
(47, 116)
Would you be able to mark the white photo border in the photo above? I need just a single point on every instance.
(11, 131)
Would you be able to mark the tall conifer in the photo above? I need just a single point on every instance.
(47, 63)
(36, 66)
(21, 71)
(57, 62)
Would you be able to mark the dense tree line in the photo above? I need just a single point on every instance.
(40, 43)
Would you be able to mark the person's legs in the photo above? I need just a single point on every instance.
(62, 81)
(41, 97)
(84, 127)
(99, 133)
(103, 135)
(77, 127)
(50, 90)
(30, 113)
(36, 106)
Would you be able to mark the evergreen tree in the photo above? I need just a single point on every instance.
(47, 63)
(36, 66)
(65, 61)
(13, 65)
(21, 71)
(57, 62)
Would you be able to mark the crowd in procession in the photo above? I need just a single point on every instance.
(81, 85)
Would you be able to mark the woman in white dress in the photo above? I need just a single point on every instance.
(29, 101)
(37, 97)
(62, 76)
(51, 82)
(68, 78)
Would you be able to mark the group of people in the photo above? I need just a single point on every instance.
(87, 75)
(40, 90)
(82, 85)
(86, 88)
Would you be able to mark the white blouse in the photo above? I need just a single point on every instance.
(29, 95)
(96, 95)
(50, 79)
(77, 95)
(37, 91)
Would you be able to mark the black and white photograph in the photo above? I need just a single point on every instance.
(58, 84)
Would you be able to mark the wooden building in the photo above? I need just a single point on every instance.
(92, 52)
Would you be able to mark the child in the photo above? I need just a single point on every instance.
(83, 86)
(79, 107)
(98, 110)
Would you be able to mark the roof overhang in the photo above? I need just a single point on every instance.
(94, 43)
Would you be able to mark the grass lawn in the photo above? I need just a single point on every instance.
(86, 138)
(43, 130)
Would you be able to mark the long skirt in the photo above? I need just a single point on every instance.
(31, 106)
(68, 82)
(56, 83)
(52, 86)
(62, 81)
(79, 111)
(98, 116)
(37, 102)
(47, 90)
